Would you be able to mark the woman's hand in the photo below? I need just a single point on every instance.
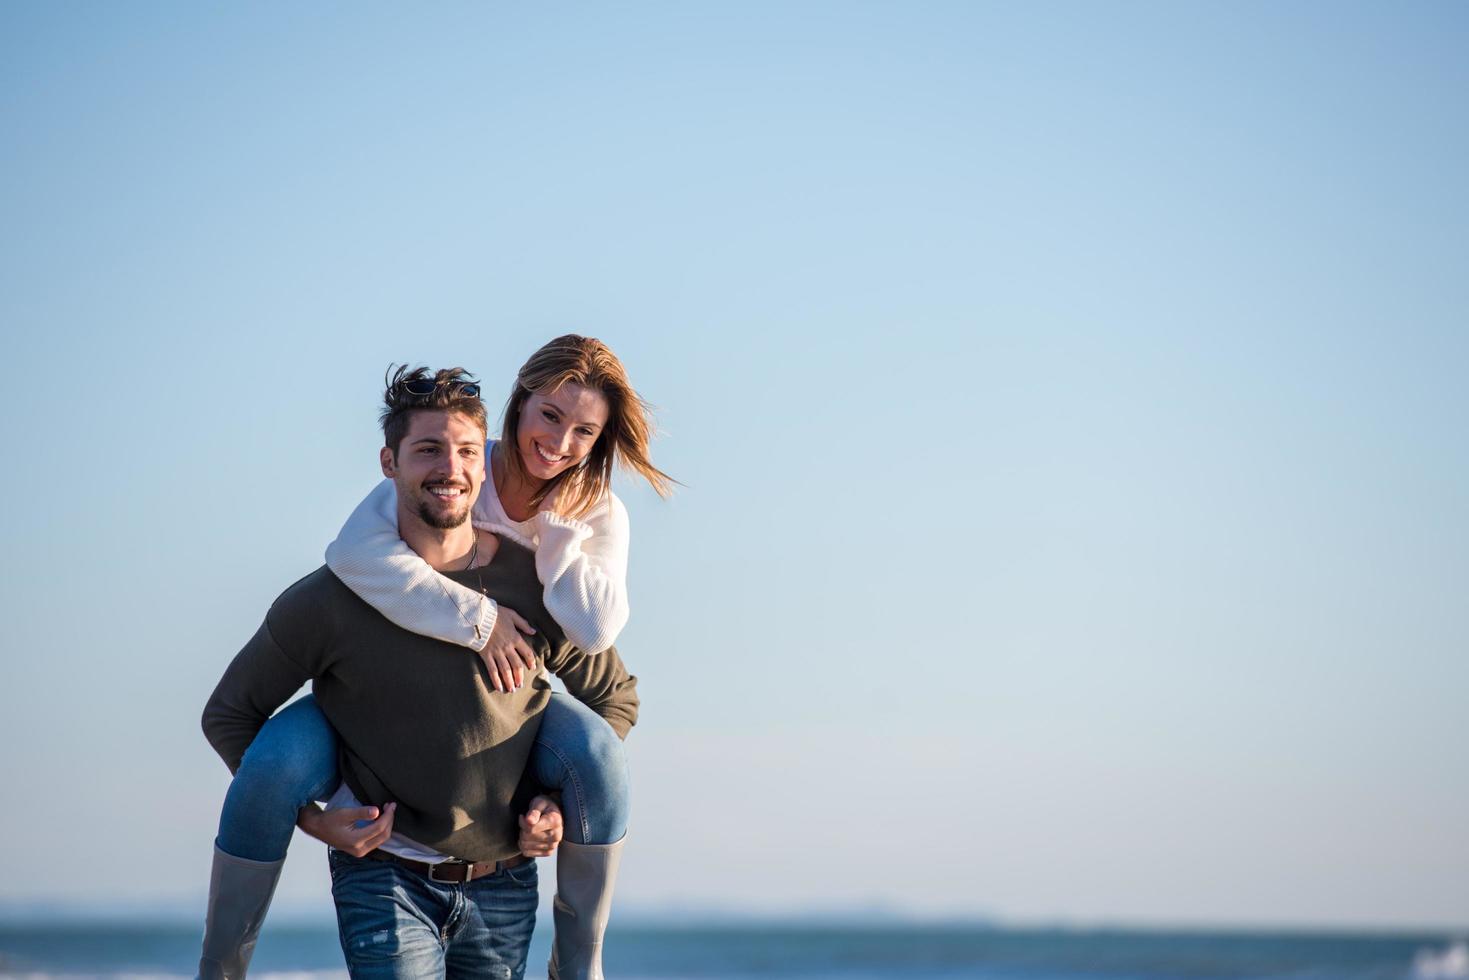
(339, 828)
(507, 655)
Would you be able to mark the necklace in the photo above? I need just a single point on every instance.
(480, 575)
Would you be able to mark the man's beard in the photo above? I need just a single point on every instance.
(444, 522)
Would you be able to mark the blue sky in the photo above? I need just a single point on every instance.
(1068, 398)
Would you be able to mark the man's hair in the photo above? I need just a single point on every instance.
(452, 393)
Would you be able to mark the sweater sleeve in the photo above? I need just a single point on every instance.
(374, 562)
(600, 682)
(258, 681)
(582, 565)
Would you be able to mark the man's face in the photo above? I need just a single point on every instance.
(439, 467)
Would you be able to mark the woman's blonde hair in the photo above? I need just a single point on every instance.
(588, 362)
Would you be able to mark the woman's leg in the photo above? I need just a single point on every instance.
(291, 762)
(579, 753)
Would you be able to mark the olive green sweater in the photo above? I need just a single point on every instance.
(418, 721)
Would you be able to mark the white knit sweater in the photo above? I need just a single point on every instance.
(582, 565)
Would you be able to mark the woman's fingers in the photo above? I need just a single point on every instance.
(519, 622)
(488, 655)
(514, 666)
(507, 664)
(502, 671)
(521, 647)
(507, 644)
(526, 653)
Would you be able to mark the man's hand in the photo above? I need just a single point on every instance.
(339, 828)
(540, 828)
(507, 649)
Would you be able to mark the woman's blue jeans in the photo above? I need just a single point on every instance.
(293, 761)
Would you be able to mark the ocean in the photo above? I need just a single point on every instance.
(744, 952)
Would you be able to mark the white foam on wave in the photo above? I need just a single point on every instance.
(1442, 964)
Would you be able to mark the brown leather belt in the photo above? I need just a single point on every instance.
(448, 872)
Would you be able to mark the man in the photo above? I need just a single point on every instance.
(437, 884)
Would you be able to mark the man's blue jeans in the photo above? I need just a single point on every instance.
(397, 925)
(293, 761)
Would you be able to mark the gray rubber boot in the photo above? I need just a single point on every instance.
(239, 895)
(585, 874)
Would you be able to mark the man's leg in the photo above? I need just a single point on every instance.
(391, 921)
(490, 935)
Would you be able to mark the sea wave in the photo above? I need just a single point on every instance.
(1442, 964)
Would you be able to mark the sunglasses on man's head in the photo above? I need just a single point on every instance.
(426, 386)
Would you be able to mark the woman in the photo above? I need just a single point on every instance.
(571, 417)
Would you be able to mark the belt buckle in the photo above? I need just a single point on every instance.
(464, 874)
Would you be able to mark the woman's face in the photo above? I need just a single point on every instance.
(558, 429)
